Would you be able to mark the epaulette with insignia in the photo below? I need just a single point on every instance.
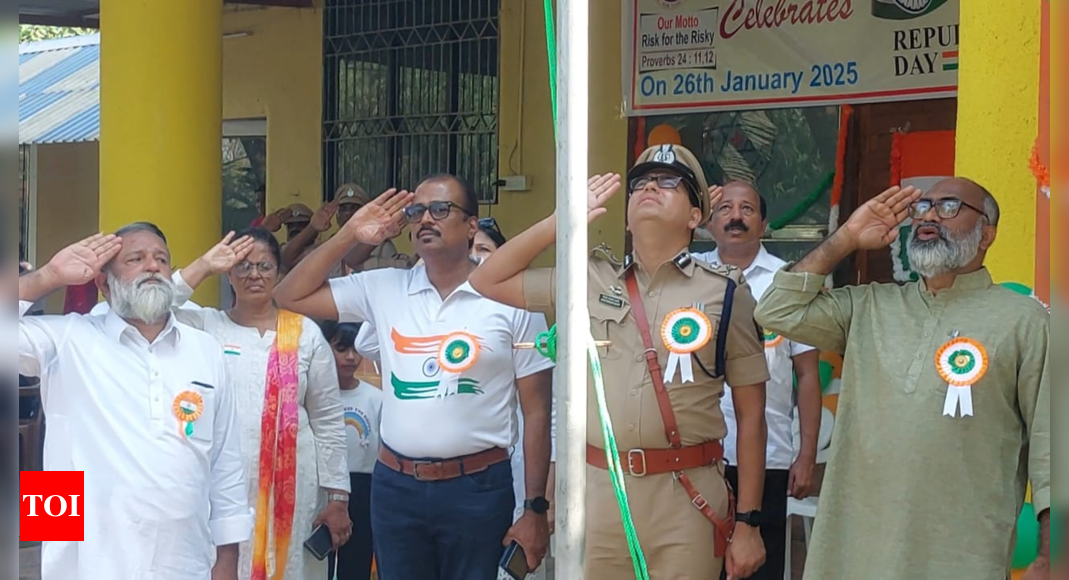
(605, 252)
(724, 270)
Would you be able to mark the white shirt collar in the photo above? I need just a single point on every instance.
(419, 281)
(115, 326)
(763, 261)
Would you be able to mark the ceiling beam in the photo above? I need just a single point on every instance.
(65, 20)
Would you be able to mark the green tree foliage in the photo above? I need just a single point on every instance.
(31, 32)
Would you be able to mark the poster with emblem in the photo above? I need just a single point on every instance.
(705, 55)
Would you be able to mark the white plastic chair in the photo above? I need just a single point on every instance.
(807, 508)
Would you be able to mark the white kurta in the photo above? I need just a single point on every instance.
(321, 441)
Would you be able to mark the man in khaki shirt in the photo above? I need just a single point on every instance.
(925, 479)
(672, 456)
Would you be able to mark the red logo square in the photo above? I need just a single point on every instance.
(52, 506)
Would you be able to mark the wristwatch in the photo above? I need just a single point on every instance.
(752, 518)
(335, 496)
(538, 505)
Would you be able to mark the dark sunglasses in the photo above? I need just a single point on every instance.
(946, 208)
(489, 223)
(439, 211)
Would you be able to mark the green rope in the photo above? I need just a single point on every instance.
(546, 345)
(803, 205)
(551, 53)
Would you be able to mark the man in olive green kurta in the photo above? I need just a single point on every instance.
(917, 487)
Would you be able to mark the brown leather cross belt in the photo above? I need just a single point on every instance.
(444, 469)
(642, 462)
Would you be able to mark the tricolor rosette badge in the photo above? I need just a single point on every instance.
(684, 331)
(962, 362)
(187, 408)
(772, 340)
(458, 352)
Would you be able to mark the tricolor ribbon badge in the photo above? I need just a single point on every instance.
(188, 407)
(962, 362)
(772, 340)
(684, 331)
(458, 352)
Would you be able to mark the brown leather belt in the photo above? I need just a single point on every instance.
(643, 462)
(444, 469)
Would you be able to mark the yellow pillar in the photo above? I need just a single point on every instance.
(998, 96)
(161, 122)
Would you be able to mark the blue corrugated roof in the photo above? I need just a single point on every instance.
(59, 90)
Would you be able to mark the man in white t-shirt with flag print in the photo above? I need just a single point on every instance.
(737, 224)
(442, 496)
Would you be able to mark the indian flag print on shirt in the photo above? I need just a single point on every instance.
(435, 383)
(232, 349)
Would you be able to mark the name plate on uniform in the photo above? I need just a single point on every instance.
(611, 301)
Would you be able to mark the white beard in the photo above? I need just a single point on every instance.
(930, 258)
(137, 300)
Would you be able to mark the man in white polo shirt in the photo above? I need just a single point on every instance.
(738, 223)
(442, 496)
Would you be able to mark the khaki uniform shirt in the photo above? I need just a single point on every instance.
(676, 538)
(910, 492)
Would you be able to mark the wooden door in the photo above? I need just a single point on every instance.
(869, 167)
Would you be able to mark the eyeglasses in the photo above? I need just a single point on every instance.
(439, 211)
(489, 223)
(244, 269)
(663, 181)
(946, 208)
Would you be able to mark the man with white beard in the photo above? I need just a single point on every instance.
(141, 404)
(945, 407)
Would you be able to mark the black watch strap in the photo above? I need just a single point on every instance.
(751, 518)
(538, 505)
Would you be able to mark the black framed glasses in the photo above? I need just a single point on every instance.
(245, 269)
(946, 208)
(439, 211)
(662, 181)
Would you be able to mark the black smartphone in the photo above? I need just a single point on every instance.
(320, 543)
(514, 562)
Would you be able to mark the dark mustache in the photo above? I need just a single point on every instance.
(736, 225)
(426, 229)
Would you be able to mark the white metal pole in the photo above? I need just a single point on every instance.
(573, 321)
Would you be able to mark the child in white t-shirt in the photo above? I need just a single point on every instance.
(362, 408)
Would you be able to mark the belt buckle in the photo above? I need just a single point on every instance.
(415, 470)
(641, 455)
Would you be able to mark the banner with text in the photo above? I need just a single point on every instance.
(707, 55)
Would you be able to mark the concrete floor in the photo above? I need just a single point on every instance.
(30, 558)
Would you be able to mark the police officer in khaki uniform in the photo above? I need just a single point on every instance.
(698, 321)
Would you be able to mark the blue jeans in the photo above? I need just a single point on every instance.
(441, 530)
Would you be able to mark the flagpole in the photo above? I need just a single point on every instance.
(573, 321)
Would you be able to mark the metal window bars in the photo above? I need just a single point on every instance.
(410, 89)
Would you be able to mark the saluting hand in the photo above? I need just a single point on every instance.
(320, 221)
(222, 257)
(378, 221)
(875, 224)
(79, 263)
(600, 188)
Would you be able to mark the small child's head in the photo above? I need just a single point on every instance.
(342, 339)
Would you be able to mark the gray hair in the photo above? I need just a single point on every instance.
(137, 227)
(992, 211)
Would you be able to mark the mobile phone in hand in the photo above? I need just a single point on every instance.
(320, 543)
(514, 562)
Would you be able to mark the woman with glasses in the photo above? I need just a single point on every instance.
(286, 385)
